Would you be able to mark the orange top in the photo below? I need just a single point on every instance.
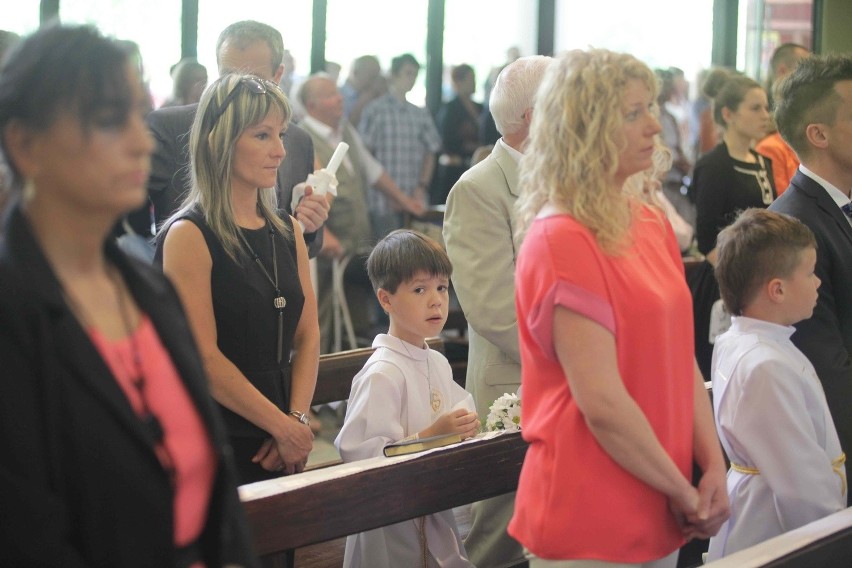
(785, 162)
(573, 501)
(186, 446)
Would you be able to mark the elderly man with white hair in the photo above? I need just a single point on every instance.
(478, 230)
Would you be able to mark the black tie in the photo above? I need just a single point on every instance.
(847, 209)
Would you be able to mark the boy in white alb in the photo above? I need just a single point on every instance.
(406, 391)
(787, 468)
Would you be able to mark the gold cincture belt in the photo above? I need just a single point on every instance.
(836, 465)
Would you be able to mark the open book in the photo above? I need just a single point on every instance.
(423, 444)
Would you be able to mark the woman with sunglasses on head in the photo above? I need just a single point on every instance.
(112, 451)
(242, 273)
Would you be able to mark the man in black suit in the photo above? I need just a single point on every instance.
(814, 116)
(246, 47)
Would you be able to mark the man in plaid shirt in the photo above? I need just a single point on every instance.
(404, 139)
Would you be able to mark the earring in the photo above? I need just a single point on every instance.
(29, 190)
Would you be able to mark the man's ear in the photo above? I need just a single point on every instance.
(817, 135)
(384, 299)
(276, 76)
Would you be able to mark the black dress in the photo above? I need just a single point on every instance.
(247, 326)
(722, 187)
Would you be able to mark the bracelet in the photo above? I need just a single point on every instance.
(301, 417)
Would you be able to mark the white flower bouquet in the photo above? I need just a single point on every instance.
(505, 414)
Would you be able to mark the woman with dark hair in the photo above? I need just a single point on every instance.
(241, 268)
(730, 178)
(113, 453)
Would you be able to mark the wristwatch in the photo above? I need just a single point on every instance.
(301, 417)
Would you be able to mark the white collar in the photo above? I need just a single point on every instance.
(397, 345)
(322, 129)
(511, 151)
(836, 195)
(744, 324)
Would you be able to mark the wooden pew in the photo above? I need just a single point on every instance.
(336, 371)
(366, 500)
(826, 543)
(320, 513)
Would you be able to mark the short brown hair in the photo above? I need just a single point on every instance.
(807, 95)
(758, 246)
(401, 255)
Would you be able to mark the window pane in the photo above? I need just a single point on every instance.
(384, 28)
(153, 24)
(765, 25)
(666, 33)
(484, 47)
(292, 19)
(22, 20)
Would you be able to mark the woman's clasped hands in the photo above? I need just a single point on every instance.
(288, 450)
(700, 512)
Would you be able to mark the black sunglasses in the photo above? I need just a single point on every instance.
(253, 84)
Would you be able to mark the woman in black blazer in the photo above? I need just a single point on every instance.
(112, 453)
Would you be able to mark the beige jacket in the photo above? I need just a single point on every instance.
(478, 231)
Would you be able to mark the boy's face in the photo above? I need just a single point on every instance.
(418, 309)
(801, 288)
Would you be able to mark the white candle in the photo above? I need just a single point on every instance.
(337, 158)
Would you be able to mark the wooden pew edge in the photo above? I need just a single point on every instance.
(435, 482)
(790, 548)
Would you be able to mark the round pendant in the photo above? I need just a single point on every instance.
(280, 302)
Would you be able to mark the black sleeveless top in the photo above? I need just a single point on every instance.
(246, 318)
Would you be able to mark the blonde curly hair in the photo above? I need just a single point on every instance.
(575, 142)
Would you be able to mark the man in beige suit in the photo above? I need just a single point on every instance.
(478, 230)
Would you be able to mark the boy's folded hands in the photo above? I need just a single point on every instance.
(459, 421)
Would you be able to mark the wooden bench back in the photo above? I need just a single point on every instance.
(318, 512)
(336, 371)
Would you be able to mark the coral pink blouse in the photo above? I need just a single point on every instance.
(186, 448)
(574, 502)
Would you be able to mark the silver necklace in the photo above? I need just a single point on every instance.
(435, 398)
(278, 302)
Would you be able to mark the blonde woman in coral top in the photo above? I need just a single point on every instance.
(615, 409)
